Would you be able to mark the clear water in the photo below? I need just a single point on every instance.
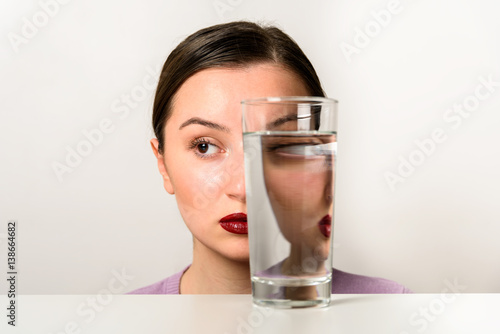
(289, 184)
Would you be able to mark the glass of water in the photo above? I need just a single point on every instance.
(290, 146)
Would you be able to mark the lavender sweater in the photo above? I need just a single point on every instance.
(342, 282)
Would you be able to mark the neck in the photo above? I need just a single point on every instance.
(302, 262)
(211, 273)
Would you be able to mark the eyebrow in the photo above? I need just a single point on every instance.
(208, 124)
(290, 117)
(281, 120)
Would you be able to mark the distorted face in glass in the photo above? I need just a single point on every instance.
(298, 174)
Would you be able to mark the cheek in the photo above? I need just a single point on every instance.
(294, 189)
(198, 186)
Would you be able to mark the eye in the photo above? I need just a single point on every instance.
(309, 150)
(290, 149)
(204, 148)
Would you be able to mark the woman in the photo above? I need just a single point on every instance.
(198, 146)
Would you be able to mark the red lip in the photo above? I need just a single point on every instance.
(325, 225)
(235, 223)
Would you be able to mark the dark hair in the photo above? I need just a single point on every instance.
(234, 44)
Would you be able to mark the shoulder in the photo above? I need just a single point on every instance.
(167, 286)
(343, 282)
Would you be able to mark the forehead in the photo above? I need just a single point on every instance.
(216, 93)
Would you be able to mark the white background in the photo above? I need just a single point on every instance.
(111, 212)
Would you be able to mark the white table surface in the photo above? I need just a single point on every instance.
(228, 314)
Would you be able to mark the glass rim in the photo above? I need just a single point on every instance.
(314, 100)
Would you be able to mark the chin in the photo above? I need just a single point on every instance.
(239, 252)
(237, 257)
(244, 258)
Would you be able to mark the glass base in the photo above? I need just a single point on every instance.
(291, 293)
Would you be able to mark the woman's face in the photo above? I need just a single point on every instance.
(202, 163)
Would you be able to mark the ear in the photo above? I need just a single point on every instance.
(167, 183)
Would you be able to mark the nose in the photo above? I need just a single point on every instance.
(236, 171)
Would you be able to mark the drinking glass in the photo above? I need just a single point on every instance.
(290, 146)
